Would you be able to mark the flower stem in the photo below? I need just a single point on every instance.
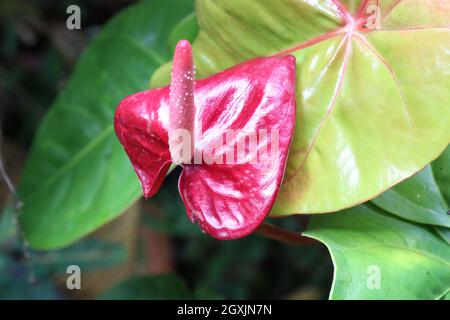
(273, 232)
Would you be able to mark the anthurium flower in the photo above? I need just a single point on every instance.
(230, 132)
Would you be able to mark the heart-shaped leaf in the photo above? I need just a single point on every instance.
(424, 197)
(379, 256)
(372, 104)
(233, 186)
(77, 176)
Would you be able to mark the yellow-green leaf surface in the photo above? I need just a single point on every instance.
(379, 256)
(78, 176)
(372, 105)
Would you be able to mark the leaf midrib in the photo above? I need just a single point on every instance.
(74, 160)
(311, 42)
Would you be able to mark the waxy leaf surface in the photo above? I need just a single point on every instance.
(380, 256)
(372, 104)
(77, 176)
(423, 198)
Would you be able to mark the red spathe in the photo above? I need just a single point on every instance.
(227, 200)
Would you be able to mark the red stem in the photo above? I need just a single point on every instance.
(273, 232)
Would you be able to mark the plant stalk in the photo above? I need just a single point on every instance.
(273, 232)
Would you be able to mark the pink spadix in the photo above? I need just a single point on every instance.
(181, 105)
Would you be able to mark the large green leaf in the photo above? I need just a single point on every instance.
(413, 262)
(158, 287)
(424, 197)
(77, 176)
(187, 28)
(372, 106)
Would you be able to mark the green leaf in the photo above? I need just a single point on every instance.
(364, 242)
(441, 171)
(372, 106)
(424, 197)
(444, 233)
(446, 296)
(161, 287)
(77, 176)
(187, 29)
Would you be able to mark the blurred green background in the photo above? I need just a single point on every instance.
(152, 250)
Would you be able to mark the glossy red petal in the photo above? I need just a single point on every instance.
(227, 200)
(141, 124)
(231, 200)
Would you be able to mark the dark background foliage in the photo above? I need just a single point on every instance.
(155, 237)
